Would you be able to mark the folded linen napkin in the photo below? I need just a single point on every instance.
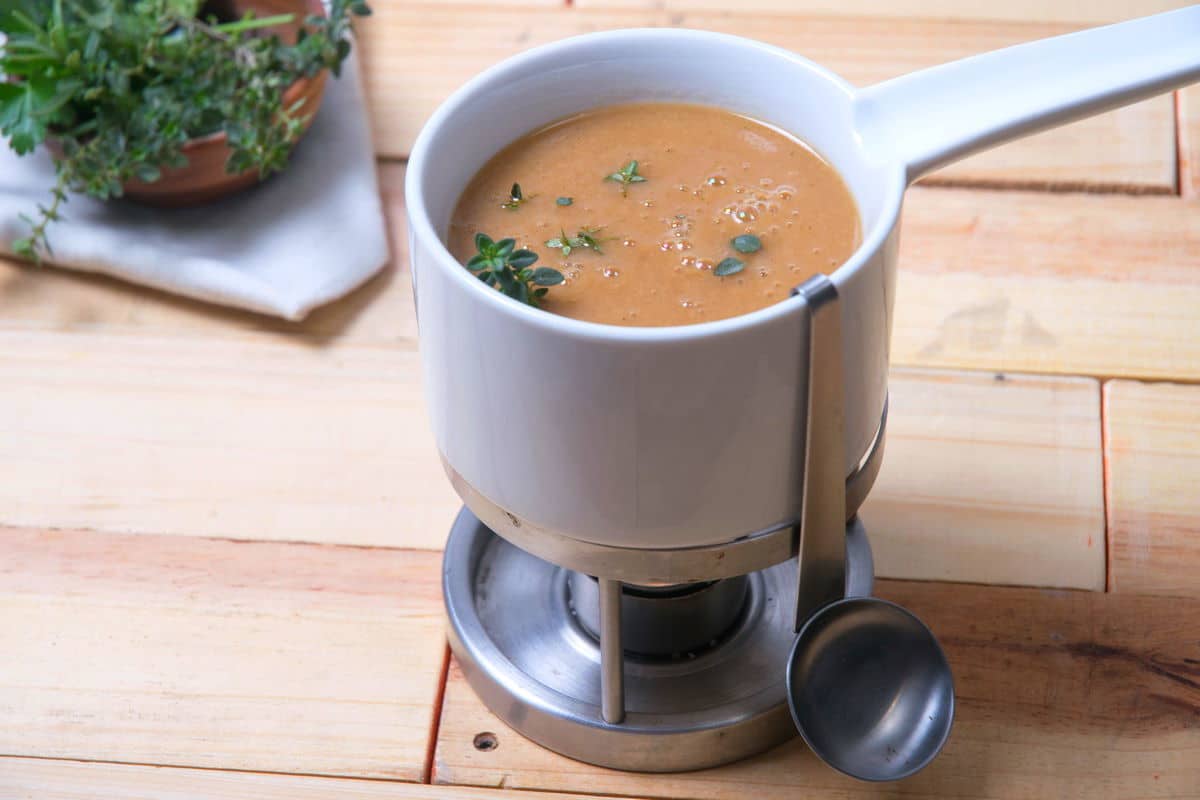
(306, 236)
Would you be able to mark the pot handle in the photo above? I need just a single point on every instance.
(930, 118)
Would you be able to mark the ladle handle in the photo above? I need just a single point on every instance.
(931, 118)
(821, 561)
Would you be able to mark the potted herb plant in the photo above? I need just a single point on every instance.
(167, 102)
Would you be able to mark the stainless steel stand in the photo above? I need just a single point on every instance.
(536, 664)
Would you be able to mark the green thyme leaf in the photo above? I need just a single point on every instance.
(516, 198)
(729, 266)
(547, 276)
(522, 258)
(124, 86)
(625, 176)
(502, 266)
(584, 238)
(565, 201)
(746, 243)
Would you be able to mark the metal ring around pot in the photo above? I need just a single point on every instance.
(657, 567)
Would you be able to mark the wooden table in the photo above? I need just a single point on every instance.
(218, 560)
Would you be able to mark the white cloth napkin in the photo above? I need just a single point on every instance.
(306, 236)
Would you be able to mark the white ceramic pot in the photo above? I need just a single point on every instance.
(686, 436)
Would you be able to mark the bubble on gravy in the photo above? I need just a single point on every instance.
(709, 176)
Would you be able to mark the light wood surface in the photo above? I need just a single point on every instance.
(1089, 12)
(1023, 281)
(990, 479)
(208, 653)
(1188, 108)
(52, 779)
(334, 447)
(1132, 148)
(1062, 695)
(1152, 437)
(161, 460)
(246, 439)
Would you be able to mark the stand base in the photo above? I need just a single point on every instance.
(536, 667)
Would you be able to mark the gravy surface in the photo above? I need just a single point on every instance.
(710, 175)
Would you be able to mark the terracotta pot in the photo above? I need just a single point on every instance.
(204, 179)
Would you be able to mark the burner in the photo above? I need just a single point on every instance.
(681, 620)
(702, 683)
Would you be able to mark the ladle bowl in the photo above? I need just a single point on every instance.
(870, 689)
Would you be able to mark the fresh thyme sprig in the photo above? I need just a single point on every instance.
(502, 266)
(123, 85)
(516, 198)
(625, 176)
(584, 238)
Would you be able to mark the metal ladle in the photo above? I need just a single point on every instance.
(869, 686)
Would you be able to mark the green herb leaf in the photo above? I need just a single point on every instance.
(547, 276)
(565, 201)
(583, 238)
(586, 237)
(25, 109)
(124, 86)
(729, 266)
(561, 243)
(516, 198)
(522, 258)
(746, 243)
(625, 176)
(500, 265)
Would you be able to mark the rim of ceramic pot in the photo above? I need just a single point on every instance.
(892, 187)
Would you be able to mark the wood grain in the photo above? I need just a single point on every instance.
(1132, 148)
(990, 479)
(193, 652)
(245, 439)
(1153, 457)
(1069, 11)
(1094, 285)
(984, 479)
(1188, 109)
(46, 779)
(130, 411)
(1063, 695)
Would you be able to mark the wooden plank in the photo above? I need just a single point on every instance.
(1188, 109)
(1152, 435)
(1093, 12)
(42, 779)
(1064, 695)
(131, 411)
(1082, 284)
(193, 652)
(51, 299)
(1132, 148)
(211, 437)
(271, 443)
(990, 479)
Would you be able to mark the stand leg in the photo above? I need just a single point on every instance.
(612, 656)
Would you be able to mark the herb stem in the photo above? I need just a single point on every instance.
(251, 23)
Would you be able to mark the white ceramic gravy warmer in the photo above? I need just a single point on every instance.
(685, 436)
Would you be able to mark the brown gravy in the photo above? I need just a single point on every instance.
(709, 176)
